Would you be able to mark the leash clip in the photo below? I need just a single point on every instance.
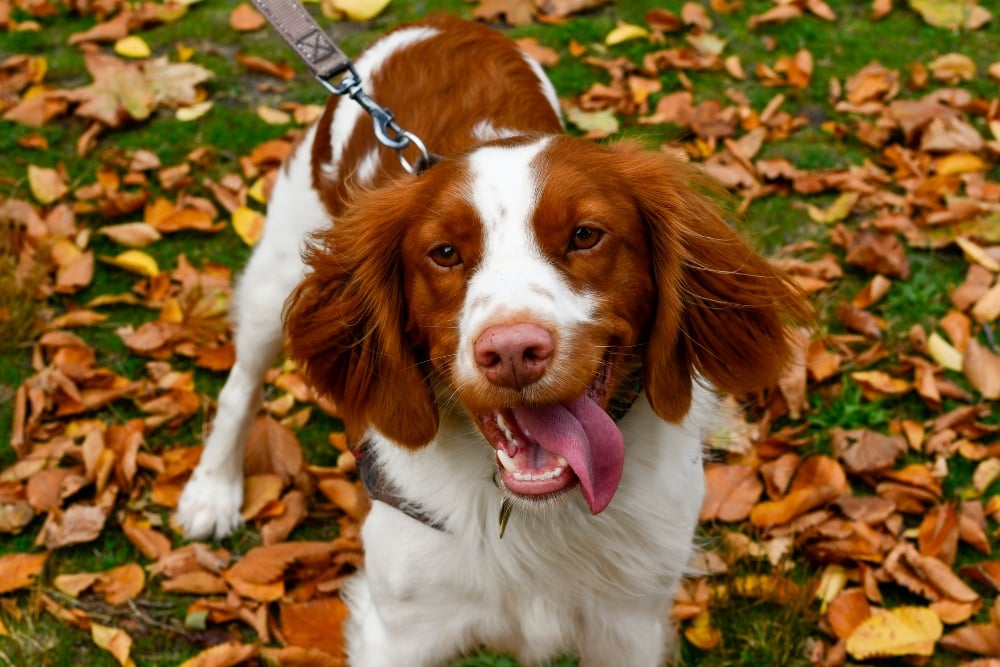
(387, 130)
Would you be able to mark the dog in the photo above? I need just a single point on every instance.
(529, 334)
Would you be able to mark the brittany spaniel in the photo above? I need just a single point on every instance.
(535, 326)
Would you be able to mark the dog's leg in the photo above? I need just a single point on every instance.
(625, 638)
(210, 504)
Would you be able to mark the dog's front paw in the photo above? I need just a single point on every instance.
(210, 505)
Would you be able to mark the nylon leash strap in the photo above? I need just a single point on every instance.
(326, 62)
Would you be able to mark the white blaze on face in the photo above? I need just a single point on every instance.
(513, 276)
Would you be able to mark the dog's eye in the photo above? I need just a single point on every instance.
(585, 237)
(445, 256)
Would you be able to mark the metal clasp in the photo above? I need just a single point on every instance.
(387, 130)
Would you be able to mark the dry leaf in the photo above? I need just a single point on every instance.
(223, 655)
(135, 261)
(625, 32)
(316, 624)
(981, 367)
(115, 641)
(896, 632)
(131, 234)
(19, 570)
(248, 225)
(731, 492)
(246, 19)
(47, 185)
(133, 46)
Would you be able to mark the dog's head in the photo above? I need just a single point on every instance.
(537, 282)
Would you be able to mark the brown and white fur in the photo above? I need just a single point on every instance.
(473, 325)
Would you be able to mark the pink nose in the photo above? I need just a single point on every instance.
(513, 355)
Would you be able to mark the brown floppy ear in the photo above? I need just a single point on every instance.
(722, 311)
(345, 324)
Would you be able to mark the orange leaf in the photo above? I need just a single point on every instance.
(246, 19)
(317, 623)
(116, 642)
(223, 655)
(731, 492)
(847, 611)
(120, 584)
(19, 570)
(795, 504)
(982, 368)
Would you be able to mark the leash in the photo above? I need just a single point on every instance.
(326, 61)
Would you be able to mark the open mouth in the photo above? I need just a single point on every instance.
(545, 450)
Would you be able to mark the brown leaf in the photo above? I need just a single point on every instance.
(120, 584)
(150, 543)
(258, 574)
(564, 8)
(78, 524)
(348, 496)
(514, 12)
(273, 449)
(879, 253)
(795, 504)
(19, 570)
(223, 655)
(938, 534)
(980, 638)
(982, 368)
(264, 66)
(300, 656)
(315, 624)
(278, 529)
(259, 491)
(847, 611)
(859, 320)
(731, 492)
(246, 19)
(545, 56)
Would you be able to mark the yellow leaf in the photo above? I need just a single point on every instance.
(256, 191)
(114, 641)
(943, 353)
(193, 112)
(273, 116)
(625, 32)
(900, 631)
(359, 10)
(960, 163)
(47, 185)
(135, 261)
(976, 253)
(133, 47)
(986, 473)
(603, 122)
(982, 369)
(184, 52)
(951, 14)
(830, 585)
(701, 633)
(839, 209)
(248, 225)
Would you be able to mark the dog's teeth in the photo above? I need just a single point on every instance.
(562, 462)
(507, 433)
(548, 474)
(506, 461)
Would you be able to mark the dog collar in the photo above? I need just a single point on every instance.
(380, 488)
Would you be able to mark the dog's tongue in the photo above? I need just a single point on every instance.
(584, 435)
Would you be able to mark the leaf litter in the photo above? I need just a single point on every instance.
(869, 512)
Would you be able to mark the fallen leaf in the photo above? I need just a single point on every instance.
(731, 492)
(19, 570)
(47, 185)
(131, 234)
(625, 32)
(133, 46)
(246, 19)
(981, 367)
(357, 10)
(115, 641)
(248, 225)
(951, 14)
(135, 261)
(316, 624)
(896, 632)
(943, 353)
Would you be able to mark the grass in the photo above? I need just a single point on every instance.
(757, 630)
